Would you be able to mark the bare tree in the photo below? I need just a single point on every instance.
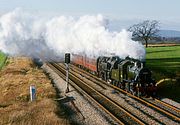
(145, 30)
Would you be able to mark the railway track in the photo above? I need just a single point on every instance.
(118, 113)
(164, 108)
(168, 109)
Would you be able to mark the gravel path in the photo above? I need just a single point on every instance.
(81, 111)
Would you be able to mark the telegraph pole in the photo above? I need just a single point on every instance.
(67, 61)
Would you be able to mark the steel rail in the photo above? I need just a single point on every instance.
(135, 97)
(84, 93)
(103, 98)
(168, 105)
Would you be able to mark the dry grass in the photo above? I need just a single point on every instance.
(15, 107)
(162, 45)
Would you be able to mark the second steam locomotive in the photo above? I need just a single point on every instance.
(129, 74)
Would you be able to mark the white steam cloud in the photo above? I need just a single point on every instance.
(24, 34)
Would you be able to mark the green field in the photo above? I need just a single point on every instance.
(165, 63)
(2, 59)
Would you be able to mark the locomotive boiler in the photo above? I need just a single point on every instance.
(129, 74)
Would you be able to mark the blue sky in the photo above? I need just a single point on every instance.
(122, 13)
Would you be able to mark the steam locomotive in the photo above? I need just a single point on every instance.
(129, 74)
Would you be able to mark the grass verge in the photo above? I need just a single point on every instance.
(3, 58)
(15, 105)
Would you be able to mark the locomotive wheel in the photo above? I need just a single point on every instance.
(119, 85)
(122, 86)
(154, 94)
(138, 92)
(102, 76)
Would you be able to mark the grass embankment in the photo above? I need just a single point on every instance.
(15, 105)
(3, 58)
(165, 63)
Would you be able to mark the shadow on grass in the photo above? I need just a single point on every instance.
(166, 68)
(170, 89)
(157, 51)
(169, 67)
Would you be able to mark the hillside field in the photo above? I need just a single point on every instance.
(2, 59)
(165, 64)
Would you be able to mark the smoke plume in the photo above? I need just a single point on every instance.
(25, 34)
